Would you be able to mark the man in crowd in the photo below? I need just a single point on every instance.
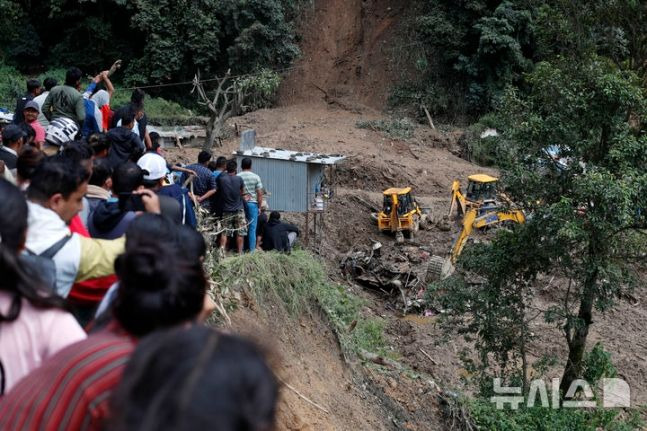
(33, 90)
(55, 196)
(30, 114)
(124, 143)
(65, 100)
(231, 188)
(253, 196)
(155, 170)
(48, 84)
(204, 184)
(219, 166)
(137, 105)
(100, 184)
(12, 141)
(279, 236)
(112, 216)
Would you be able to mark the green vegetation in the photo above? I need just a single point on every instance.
(572, 160)
(468, 52)
(159, 41)
(259, 89)
(482, 413)
(401, 128)
(297, 282)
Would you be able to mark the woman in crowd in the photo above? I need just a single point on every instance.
(195, 379)
(33, 323)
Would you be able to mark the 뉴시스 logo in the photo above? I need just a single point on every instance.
(615, 394)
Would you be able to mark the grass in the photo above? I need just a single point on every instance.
(160, 111)
(402, 128)
(297, 282)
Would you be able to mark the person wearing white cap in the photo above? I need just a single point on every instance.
(155, 170)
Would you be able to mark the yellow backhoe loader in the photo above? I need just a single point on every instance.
(481, 191)
(400, 213)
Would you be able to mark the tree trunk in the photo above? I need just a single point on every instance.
(212, 133)
(577, 339)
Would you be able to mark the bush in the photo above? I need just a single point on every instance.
(12, 86)
(159, 111)
(486, 417)
(259, 89)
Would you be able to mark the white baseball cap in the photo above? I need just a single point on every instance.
(153, 165)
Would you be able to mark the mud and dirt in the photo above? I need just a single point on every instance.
(364, 395)
(350, 51)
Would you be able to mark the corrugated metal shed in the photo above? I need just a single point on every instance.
(295, 156)
(292, 178)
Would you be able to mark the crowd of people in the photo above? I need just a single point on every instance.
(103, 293)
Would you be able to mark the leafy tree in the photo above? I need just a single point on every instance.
(574, 157)
(485, 44)
(233, 34)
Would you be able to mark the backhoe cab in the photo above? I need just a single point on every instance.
(481, 192)
(400, 213)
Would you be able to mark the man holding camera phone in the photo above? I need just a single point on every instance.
(111, 217)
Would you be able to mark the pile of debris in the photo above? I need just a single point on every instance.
(396, 270)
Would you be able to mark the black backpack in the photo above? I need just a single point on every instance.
(43, 264)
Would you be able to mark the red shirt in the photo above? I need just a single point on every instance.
(106, 114)
(92, 291)
(70, 390)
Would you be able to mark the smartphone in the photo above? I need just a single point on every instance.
(131, 202)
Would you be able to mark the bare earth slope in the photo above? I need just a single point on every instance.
(348, 50)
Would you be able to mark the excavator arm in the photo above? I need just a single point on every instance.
(458, 199)
(468, 224)
(471, 221)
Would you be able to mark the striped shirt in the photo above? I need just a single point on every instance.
(71, 390)
(252, 184)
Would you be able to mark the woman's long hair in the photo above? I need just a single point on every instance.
(17, 279)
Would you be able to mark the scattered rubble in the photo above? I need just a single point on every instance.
(397, 270)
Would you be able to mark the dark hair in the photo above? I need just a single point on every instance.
(49, 83)
(29, 132)
(221, 162)
(204, 157)
(101, 171)
(232, 166)
(32, 84)
(128, 115)
(73, 76)
(56, 175)
(17, 278)
(191, 243)
(155, 140)
(28, 160)
(151, 228)
(195, 379)
(127, 177)
(246, 163)
(157, 289)
(137, 98)
(98, 142)
(275, 215)
(77, 151)
(212, 166)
